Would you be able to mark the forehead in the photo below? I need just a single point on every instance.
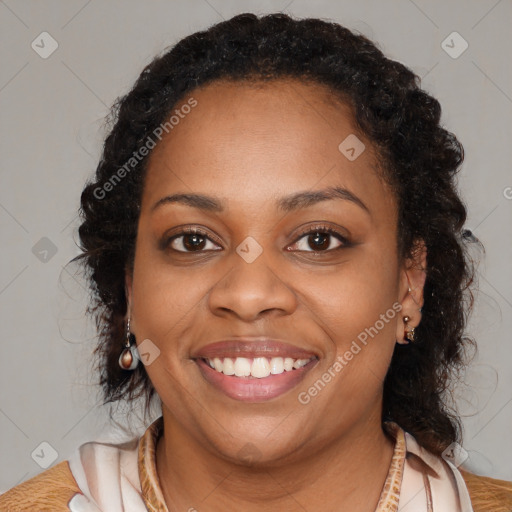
(250, 142)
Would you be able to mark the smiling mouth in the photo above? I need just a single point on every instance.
(255, 379)
(257, 367)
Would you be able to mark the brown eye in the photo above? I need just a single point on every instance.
(191, 242)
(194, 242)
(320, 240)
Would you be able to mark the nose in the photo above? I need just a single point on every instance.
(250, 290)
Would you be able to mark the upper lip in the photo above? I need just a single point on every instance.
(252, 347)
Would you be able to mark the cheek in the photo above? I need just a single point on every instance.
(162, 298)
(353, 297)
(360, 319)
(357, 307)
(169, 300)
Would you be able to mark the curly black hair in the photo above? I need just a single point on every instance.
(419, 158)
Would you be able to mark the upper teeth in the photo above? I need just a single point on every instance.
(258, 367)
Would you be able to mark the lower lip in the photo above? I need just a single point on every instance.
(252, 389)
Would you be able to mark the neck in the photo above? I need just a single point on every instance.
(349, 472)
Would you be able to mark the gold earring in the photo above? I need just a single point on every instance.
(409, 333)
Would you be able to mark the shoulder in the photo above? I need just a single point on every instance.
(488, 494)
(51, 490)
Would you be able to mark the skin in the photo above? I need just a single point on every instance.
(249, 146)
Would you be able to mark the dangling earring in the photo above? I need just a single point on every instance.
(128, 360)
(409, 333)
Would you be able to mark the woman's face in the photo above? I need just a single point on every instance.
(256, 169)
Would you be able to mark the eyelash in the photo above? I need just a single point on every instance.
(308, 231)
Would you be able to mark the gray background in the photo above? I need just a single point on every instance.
(51, 132)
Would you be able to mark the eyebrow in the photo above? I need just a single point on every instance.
(287, 204)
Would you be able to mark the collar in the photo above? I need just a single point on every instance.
(446, 481)
(150, 485)
(153, 496)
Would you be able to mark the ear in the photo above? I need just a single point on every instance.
(412, 281)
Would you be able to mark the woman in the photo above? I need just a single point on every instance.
(274, 224)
